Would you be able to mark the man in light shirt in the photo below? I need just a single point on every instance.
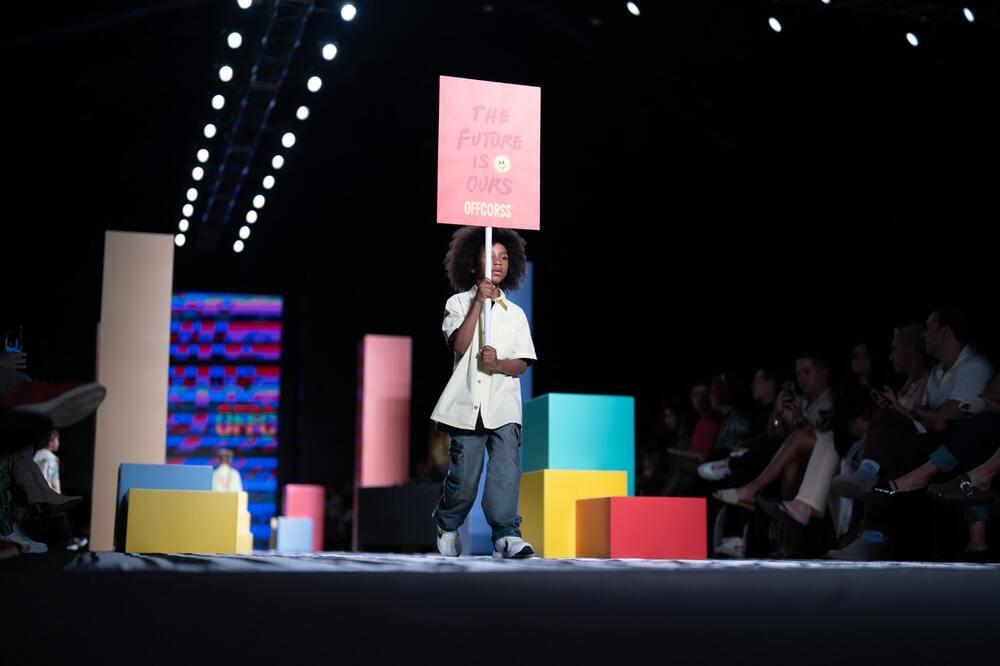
(55, 530)
(901, 439)
(48, 461)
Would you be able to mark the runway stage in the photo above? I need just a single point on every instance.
(349, 607)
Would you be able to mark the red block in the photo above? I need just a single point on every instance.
(662, 528)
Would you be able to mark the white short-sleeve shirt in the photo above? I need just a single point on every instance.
(967, 378)
(471, 390)
(49, 464)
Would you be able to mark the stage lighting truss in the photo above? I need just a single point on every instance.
(239, 111)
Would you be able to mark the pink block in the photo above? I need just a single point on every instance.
(382, 440)
(307, 501)
(383, 437)
(489, 154)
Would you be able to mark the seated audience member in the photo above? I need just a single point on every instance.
(801, 416)
(900, 439)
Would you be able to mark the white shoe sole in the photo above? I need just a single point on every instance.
(72, 406)
(524, 554)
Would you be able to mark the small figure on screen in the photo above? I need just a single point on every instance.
(225, 477)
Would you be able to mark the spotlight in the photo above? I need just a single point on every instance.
(238, 246)
(187, 210)
(329, 51)
(235, 40)
(192, 194)
(288, 139)
(314, 84)
(348, 12)
(197, 173)
(268, 182)
(251, 216)
(202, 155)
(244, 232)
(912, 39)
(258, 201)
(183, 225)
(218, 102)
(225, 73)
(277, 161)
(775, 24)
(302, 112)
(179, 240)
(633, 8)
(210, 131)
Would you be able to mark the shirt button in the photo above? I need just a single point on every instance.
(476, 407)
(479, 381)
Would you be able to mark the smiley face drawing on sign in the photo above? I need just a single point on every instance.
(501, 164)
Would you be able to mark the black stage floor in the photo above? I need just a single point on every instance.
(336, 608)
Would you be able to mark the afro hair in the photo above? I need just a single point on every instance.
(465, 251)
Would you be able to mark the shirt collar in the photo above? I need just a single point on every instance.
(965, 354)
(962, 356)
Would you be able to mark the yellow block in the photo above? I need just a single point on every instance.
(244, 542)
(244, 523)
(547, 504)
(186, 521)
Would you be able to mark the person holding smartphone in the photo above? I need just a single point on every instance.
(796, 417)
(13, 361)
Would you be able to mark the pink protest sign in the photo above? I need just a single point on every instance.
(489, 140)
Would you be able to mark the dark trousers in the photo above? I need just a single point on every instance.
(743, 470)
(894, 443)
(747, 467)
(971, 444)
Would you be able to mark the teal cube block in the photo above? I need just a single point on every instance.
(580, 432)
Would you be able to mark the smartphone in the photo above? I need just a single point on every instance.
(875, 393)
(789, 388)
(12, 340)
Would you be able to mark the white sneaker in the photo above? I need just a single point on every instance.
(732, 547)
(24, 542)
(448, 543)
(716, 470)
(512, 547)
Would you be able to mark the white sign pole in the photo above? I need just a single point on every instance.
(488, 272)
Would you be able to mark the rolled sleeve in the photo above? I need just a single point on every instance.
(454, 315)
